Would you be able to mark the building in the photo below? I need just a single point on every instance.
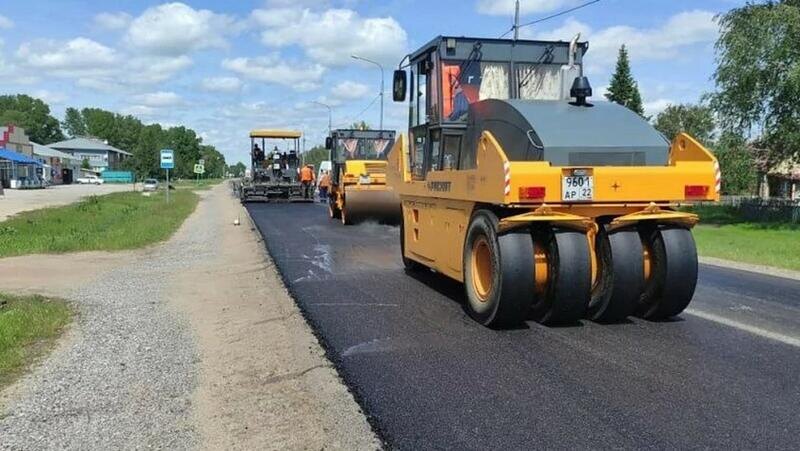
(59, 167)
(18, 168)
(782, 180)
(99, 154)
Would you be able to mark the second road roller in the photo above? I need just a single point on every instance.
(358, 177)
(546, 205)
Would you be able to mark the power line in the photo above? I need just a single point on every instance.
(552, 16)
(357, 116)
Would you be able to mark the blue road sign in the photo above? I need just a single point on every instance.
(167, 159)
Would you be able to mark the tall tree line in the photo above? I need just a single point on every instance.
(145, 142)
(125, 132)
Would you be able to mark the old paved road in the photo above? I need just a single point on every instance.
(724, 375)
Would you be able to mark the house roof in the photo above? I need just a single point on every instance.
(81, 143)
(44, 151)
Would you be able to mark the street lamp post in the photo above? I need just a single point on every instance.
(382, 85)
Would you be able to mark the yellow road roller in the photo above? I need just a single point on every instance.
(358, 177)
(545, 205)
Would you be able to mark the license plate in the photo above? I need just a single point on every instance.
(577, 188)
(363, 180)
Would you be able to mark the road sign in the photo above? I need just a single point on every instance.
(167, 159)
(199, 169)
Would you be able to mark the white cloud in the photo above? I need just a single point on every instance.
(654, 107)
(79, 56)
(272, 69)
(159, 99)
(5, 22)
(330, 37)
(221, 84)
(349, 90)
(176, 29)
(113, 21)
(139, 111)
(664, 42)
(506, 7)
(52, 98)
(153, 69)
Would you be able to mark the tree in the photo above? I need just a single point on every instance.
(316, 155)
(360, 125)
(623, 89)
(696, 120)
(758, 75)
(737, 163)
(237, 170)
(73, 123)
(31, 114)
(85, 164)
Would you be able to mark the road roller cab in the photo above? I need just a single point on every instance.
(358, 176)
(275, 167)
(545, 204)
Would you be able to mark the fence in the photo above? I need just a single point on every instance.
(756, 209)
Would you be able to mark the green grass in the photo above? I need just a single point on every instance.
(28, 326)
(112, 222)
(723, 233)
(194, 185)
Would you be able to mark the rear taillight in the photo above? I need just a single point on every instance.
(532, 192)
(695, 191)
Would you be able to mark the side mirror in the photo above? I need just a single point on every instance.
(328, 143)
(400, 86)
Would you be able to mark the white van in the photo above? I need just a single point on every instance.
(324, 166)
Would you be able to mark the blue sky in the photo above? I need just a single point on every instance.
(225, 67)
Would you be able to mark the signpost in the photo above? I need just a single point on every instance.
(167, 162)
(199, 169)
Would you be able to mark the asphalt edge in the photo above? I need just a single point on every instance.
(336, 362)
(749, 267)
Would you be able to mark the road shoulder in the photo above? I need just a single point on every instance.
(758, 269)
(264, 379)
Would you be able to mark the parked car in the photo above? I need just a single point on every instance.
(90, 180)
(150, 185)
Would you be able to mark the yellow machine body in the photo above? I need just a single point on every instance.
(362, 187)
(437, 210)
(358, 189)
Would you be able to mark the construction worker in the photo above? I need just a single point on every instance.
(307, 181)
(324, 186)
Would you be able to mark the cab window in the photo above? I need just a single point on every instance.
(466, 82)
(435, 155)
(451, 147)
(417, 156)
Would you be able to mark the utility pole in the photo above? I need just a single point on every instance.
(382, 80)
(516, 21)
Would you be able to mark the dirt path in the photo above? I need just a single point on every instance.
(265, 382)
(15, 201)
(191, 344)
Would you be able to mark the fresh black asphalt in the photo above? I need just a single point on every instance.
(428, 377)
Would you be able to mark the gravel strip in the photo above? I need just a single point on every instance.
(124, 376)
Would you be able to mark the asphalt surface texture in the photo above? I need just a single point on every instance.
(724, 374)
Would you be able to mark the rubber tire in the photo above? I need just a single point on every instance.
(509, 299)
(409, 264)
(621, 276)
(674, 269)
(333, 212)
(569, 285)
(345, 217)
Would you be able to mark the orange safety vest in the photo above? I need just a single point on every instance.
(306, 175)
(325, 181)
